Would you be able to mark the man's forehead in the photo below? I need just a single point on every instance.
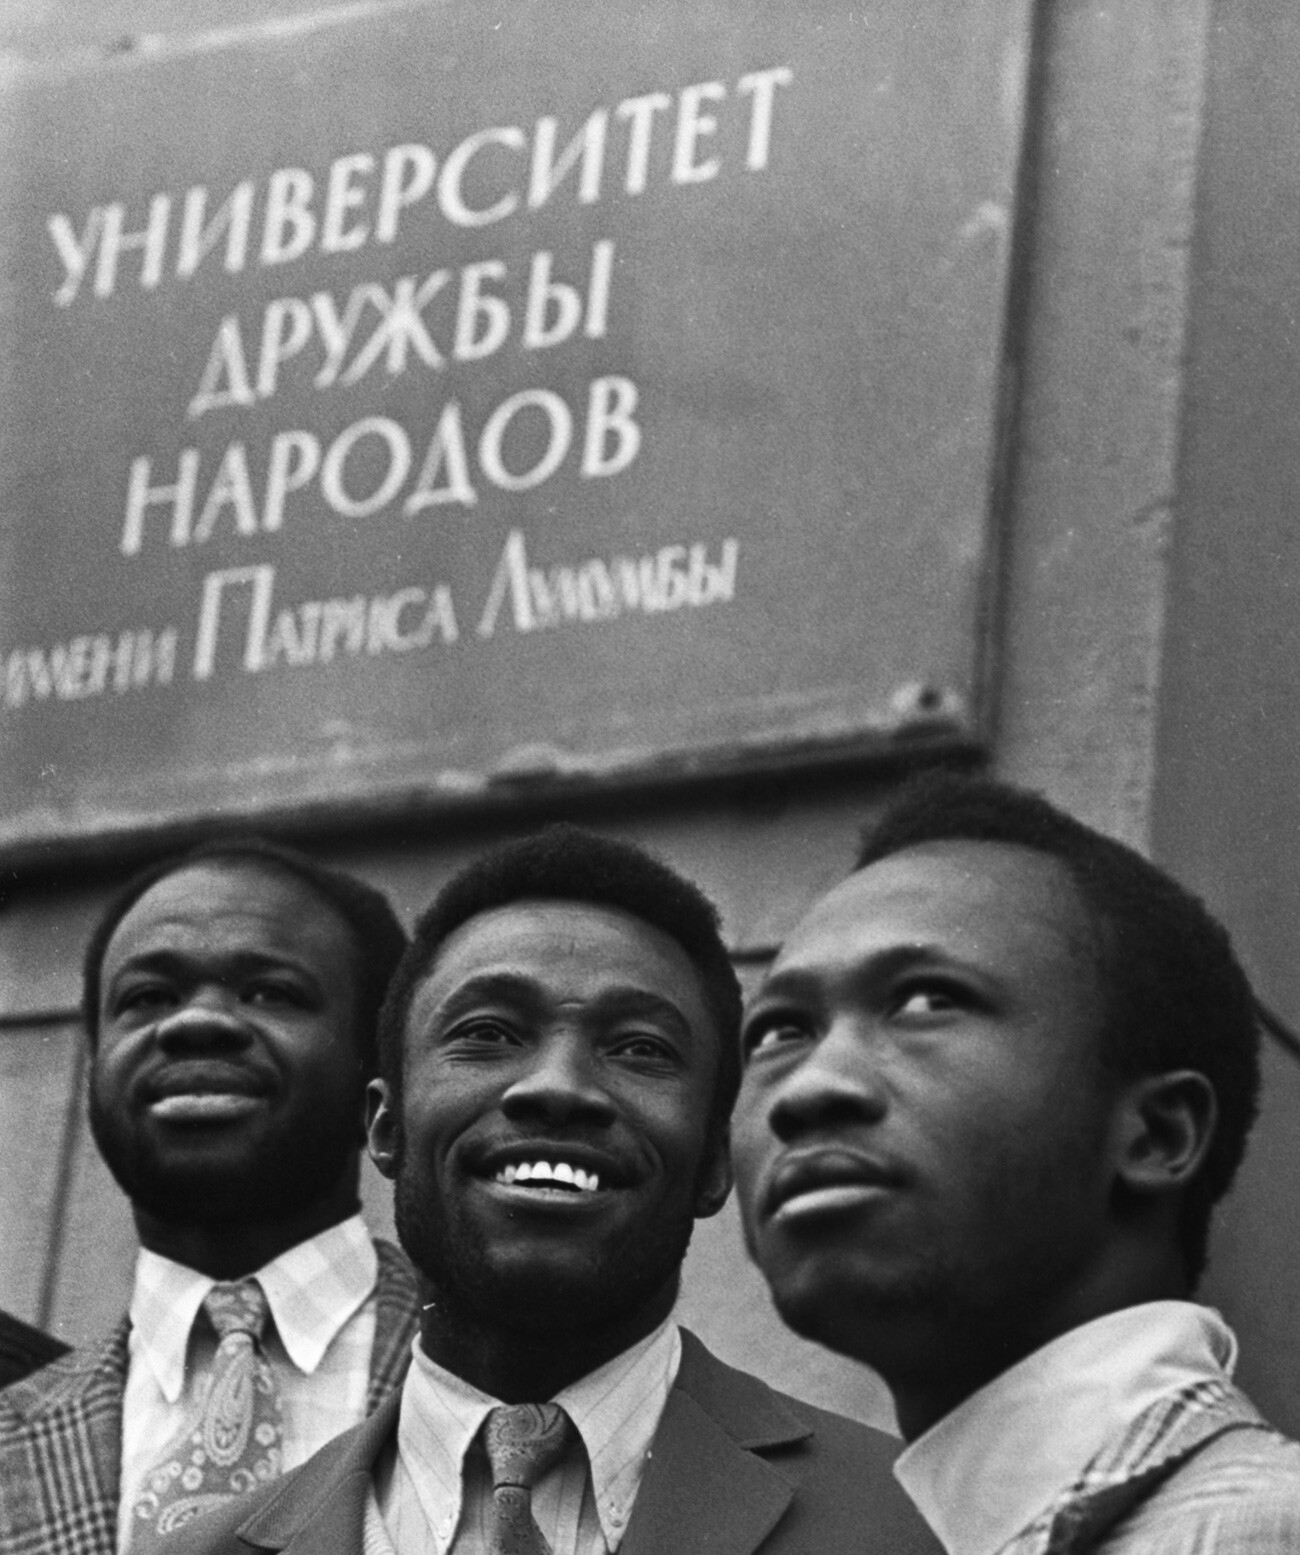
(243, 895)
(540, 926)
(989, 899)
(559, 945)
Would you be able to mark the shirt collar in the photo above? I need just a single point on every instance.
(312, 1290)
(615, 1409)
(987, 1469)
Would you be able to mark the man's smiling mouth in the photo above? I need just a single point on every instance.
(548, 1174)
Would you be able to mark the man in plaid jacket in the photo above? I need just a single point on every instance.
(995, 1083)
(231, 997)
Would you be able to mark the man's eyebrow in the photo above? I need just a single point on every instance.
(633, 1002)
(805, 983)
(490, 988)
(172, 962)
(530, 997)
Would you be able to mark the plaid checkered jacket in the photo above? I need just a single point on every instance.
(61, 1428)
(1199, 1473)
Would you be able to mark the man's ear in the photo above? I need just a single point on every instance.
(713, 1183)
(381, 1128)
(1167, 1123)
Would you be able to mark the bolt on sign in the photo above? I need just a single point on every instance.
(408, 398)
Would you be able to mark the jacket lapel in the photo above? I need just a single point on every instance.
(397, 1317)
(705, 1487)
(321, 1507)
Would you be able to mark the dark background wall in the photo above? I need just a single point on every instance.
(1226, 815)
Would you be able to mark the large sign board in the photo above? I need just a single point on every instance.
(403, 399)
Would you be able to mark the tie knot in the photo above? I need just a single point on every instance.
(523, 1441)
(236, 1307)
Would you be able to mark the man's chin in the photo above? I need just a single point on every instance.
(538, 1286)
(854, 1312)
(210, 1198)
(215, 1190)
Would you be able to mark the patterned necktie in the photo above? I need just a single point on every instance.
(232, 1440)
(523, 1441)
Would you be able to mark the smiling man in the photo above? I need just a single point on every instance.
(231, 999)
(559, 1059)
(995, 1082)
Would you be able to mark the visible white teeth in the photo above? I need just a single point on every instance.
(546, 1171)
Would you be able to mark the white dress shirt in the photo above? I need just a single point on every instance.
(432, 1497)
(984, 1472)
(318, 1342)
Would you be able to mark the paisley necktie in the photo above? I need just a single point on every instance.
(233, 1438)
(523, 1441)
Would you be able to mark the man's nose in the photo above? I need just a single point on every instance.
(838, 1082)
(209, 1017)
(559, 1085)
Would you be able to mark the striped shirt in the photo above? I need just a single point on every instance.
(434, 1496)
(321, 1298)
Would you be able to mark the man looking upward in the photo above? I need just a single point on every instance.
(996, 1081)
(230, 999)
(559, 1058)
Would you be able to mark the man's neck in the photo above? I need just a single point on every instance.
(231, 1251)
(528, 1365)
(956, 1359)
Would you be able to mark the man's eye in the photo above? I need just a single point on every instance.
(931, 999)
(143, 999)
(275, 995)
(642, 1044)
(772, 1035)
(487, 1033)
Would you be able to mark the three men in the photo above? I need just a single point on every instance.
(995, 1082)
(559, 1058)
(231, 998)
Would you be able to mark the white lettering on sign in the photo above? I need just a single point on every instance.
(364, 196)
(233, 217)
(89, 665)
(240, 601)
(600, 589)
(478, 324)
(237, 500)
(243, 624)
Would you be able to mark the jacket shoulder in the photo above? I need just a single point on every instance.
(1239, 1492)
(739, 1396)
(91, 1373)
(324, 1497)
(60, 1450)
(845, 1492)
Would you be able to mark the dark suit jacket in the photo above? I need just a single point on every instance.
(735, 1468)
(24, 1348)
(61, 1428)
